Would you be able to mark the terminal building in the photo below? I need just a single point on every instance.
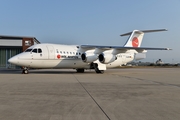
(13, 45)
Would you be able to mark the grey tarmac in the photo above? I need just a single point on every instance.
(118, 94)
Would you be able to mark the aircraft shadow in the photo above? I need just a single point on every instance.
(45, 71)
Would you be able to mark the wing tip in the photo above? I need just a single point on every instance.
(169, 49)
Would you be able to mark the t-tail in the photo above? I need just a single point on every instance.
(136, 37)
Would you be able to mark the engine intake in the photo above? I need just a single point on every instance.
(83, 57)
(89, 57)
(106, 58)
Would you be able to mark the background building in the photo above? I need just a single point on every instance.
(13, 45)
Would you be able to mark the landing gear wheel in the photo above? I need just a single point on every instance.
(99, 71)
(25, 71)
(80, 70)
(95, 65)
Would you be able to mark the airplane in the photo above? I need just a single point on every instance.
(81, 57)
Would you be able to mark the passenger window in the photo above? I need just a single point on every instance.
(39, 50)
(34, 50)
(60, 51)
(57, 51)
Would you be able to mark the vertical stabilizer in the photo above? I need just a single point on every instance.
(136, 37)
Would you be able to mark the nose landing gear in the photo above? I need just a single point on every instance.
(25, 70)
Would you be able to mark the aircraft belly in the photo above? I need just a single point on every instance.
(116, 63)
(72, 64)
(43, 63)
(119, 62)
(58, 64)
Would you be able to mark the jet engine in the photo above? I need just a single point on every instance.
(89, 57)
(107, 58)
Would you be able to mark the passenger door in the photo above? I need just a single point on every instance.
(50, 51)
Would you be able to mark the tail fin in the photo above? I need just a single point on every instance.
(136, 37)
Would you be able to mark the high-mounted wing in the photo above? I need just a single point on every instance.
(89, 47)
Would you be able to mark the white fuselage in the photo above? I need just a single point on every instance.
(61, 56)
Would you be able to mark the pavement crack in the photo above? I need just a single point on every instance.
(92, 98)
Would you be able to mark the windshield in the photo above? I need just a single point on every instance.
(35, 50)
(28, 50)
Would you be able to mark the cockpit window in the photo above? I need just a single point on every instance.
(39, 50)
(28, 50)
(34, 50)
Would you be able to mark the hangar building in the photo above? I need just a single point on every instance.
(13, 45)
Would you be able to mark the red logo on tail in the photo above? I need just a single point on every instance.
(135, 42)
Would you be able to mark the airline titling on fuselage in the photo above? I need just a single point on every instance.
(82, 57)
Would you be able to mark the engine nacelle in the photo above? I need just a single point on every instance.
(106, 58)
(89, 57)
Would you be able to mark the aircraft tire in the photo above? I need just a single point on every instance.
(80, 70)
(99, 71)
(25, 71)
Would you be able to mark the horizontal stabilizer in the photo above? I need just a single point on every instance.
(144, 31)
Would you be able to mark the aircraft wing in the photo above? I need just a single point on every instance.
(120, 49)
(89, 47)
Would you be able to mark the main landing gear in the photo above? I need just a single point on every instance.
(80, 70)
(25, 70)
(95, 66)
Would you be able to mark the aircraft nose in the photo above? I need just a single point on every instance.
(13, 60)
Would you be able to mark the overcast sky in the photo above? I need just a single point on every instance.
(97, 22)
